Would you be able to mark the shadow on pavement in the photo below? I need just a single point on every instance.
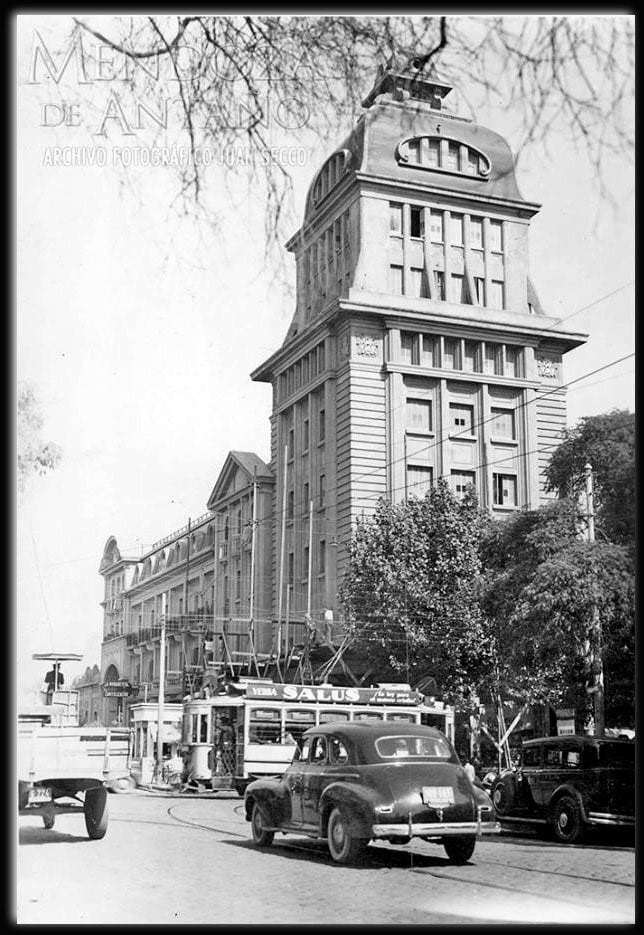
(375, 856)
(43, 836)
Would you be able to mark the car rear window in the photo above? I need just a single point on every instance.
(391, 748)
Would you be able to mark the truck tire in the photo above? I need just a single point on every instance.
(343, 847)
(567, 823)
(96, 812)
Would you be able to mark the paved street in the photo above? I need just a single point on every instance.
(191, 861)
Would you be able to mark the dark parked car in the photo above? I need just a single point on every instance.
(350, 783)
(568, 784)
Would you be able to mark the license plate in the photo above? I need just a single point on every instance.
(39, 794)
(438, 796)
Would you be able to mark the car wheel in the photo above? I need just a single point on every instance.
(343, 847)
(503, 796)
(459, 850)
(566, 820)
(261, 835)
(96, 812)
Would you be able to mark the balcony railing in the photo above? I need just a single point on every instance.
(200, 621)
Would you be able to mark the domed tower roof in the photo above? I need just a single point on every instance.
(406, 136)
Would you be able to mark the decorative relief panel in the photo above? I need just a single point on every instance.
(366, 346)
(548, 368)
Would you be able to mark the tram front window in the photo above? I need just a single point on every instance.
(406, 716)
(367, 716)
(296, 721)
(328, 717)
(264, 726)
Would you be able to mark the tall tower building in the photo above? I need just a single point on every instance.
(418, 348)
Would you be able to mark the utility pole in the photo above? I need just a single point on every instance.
(282, 546)
(597, 669)
(161, 689)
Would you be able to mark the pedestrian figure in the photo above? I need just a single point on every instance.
(470, 771)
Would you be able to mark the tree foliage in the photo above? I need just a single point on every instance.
(231, 78)
(35, 456)
(607, 442)
(544, 592)
(410, 593)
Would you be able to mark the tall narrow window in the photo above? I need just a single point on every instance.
(306, 497)
(436, 226)
(479, 290)
(512, 362)
(291, 568)
(428, 355)
(290, 509)
(451, 354)
(457, 288)
(453, 153)
(321, 424)
(396, 280)
(461, 419)
(409, 347)
(433, 153)
(305, 435)
(322, 557)
(472, 163)
(413, 148)
(419, 480)
(322, 489)
(476, 233)
(416, 285)
(495, 298)
(492, 361)
(417, 222)
(456, 230)
(504, 488)
(418, 415)
(496, 236)
(472, 357)
(337, 234)
(321, 358)
(439, 279)
(395, 219)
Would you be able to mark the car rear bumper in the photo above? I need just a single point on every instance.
(435, 829)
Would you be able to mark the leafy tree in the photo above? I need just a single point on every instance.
(544, 590)
(231, 78)
(607, 442)
(34, 455)
(410, 593)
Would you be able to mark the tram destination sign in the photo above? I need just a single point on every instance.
(334, 694)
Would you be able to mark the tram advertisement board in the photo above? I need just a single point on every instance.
(334, 693)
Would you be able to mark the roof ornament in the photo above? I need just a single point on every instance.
(402, 78)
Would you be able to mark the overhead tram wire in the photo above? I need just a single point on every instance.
(435, 444)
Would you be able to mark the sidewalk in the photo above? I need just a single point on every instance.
(183, 792)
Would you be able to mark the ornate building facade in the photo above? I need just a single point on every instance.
(418, 350)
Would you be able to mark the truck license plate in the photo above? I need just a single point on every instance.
(438, 796)
(39, 794)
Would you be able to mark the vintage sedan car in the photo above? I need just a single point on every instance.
(569, 784)
(350, 783)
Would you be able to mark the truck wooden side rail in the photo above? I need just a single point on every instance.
(64, 768)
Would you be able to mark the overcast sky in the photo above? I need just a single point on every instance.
(139, 333)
